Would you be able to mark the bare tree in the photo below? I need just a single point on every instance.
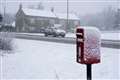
(1, 17)
(104, 20)
(109, 17)
(40, 6)
(117, 19)
(31, 6)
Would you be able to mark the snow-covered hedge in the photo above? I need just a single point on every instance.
(5, 41)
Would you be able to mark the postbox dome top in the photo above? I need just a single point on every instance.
(89, 29)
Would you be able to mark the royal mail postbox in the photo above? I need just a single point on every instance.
(88, 43)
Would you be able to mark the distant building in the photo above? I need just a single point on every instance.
(28, 20)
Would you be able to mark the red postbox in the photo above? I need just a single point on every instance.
(88, 45)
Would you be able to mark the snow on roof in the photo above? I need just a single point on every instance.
(88, 27)
(44, 13)
(91, 31)
(34, 12)
(64, 16)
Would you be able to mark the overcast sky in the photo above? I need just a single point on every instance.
(81, 7)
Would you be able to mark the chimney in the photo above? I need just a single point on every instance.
(52, 9)
(20, 6)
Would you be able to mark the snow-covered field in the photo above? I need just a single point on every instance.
(46, 60)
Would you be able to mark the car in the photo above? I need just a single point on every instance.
(7, 28)
(54, 32)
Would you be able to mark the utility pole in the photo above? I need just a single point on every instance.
(1, 17)
(67, 15)
(4, 16)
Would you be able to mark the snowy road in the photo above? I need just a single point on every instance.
(110, 43)
(47, 60)
(105, 35)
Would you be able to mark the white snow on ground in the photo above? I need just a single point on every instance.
(47, 60)
(111, 36)
(104, 35)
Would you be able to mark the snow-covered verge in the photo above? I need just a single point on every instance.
(47, 60)
(104, 35)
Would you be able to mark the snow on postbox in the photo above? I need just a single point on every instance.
(88, 45)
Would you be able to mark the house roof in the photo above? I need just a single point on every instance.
(64, 16)
(43, 13)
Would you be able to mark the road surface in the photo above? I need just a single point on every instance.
(69, 40)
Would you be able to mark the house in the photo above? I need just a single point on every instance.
(73, 20)
(29, 20)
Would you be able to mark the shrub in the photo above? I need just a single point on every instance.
(5, 41)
